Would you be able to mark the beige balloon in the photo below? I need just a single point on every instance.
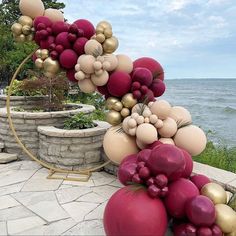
(231, 234)
(140, 144)
(112, 59)
(181, 115)
(169, 128)
(191, 138)
(86, 63)
(93, 47)
(167, 141)
(87, 86)
(225, 218)
(215, 192)
(39, 63)
(125, 112)
(125, 126)
(118, 145)
(54, 15)
(31, 8)
(146, 133)
(100, 80)
(124, 63)
(161, 108)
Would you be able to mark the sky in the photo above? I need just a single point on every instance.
(190, 38)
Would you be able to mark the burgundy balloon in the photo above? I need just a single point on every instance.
(86, 26)
(59, 48)
(62, 39)
(134, 213)
(200, 180)
(204, 231)
(143, 155)
(72, 37)
(161, 181)
(45, 44)
(200, 210)
(216, 231)
(73, 29)
(68, 59)
(188, 164)
(54, 55)
(79, 45)
(148, 95)
(167, 159)
(136, 179)
(144, 173)
(153, 191)
(155, 144)
(158, 87)
(59, 27)
(180, 192)
(142, 75)
(137, 94)
(70, 74)
(180, 230)
(127, 169)
(42, 19)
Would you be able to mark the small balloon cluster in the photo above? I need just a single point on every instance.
(163, 173)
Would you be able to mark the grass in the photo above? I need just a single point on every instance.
(221, 156)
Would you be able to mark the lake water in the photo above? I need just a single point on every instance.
(211, 102)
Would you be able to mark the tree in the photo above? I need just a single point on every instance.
(13, 53)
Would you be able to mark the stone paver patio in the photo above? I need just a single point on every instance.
(30, 204)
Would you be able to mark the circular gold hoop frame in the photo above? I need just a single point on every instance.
(86, 172)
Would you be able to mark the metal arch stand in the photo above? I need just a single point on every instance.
(83, 175)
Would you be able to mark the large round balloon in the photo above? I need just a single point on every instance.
(54, 15)
(118, 145)
(132, 212)
(31, 8)
(188, 165)
(86, 26)
(200, 180)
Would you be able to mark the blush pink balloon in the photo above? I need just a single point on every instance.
(188, 164)
(200, 180)
(127, 169)
(167, 159)
(180, 192)
(68, 59)
(79, 45)
(134, 213)
(86, 26)
(62, 39)
(200, 210)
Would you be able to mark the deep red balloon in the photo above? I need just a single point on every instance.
(132, 212)
(79, 45)
(62, 39)
(151, 64)
(59, 27)
(45, 44)
(143, 155)
(143, 76)
(103, 90)
(127, 169)
(158, 87)
(68, 59)
(180, 192)
(155, 144)
(167, 159)
(188, 164)
(86, 26)
(70, 74)
(204, 231)
(200, 210)
(42, 19)
(185, 229)
(216, 231)
(200, 180)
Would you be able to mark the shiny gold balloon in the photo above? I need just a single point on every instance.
(108, 33)
(118, 106)
(44, 54)
(16, 29)
(38, 53)
(100, 38)
(26, 30)
(25, 20)
(100, 30)
(128, 100)
(225, 218)
(104, 24)
(113, 117)
(51, 66)
(39, 63)
(125, 112)
(110, 102)
(215, 192)
(20, 38)
(49, 74)
(29, 38)
(110, 45)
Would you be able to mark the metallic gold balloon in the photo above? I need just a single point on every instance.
(51, 66)
(225, 218)
(20, 38)
(100, 30)
(38, 53)
(113, 117)
(110, 45)
(118, 106)
(44, 54)
(125, 112)
(49, 75)
(39, 63)
(26, 30)
(16, 28)
(100, 38)
(29, 38)
(104, 24)
(128, 100)
(108, 33)
(215, 192)
(25, 20)
(110, 102)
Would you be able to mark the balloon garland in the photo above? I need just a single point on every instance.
(151, 141)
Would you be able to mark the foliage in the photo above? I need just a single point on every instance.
(79, 121)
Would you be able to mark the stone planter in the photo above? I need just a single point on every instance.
(26, 124)
(72, 149)
(25, 101)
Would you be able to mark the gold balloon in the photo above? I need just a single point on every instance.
(49, 74)
(128, 100)
(113, 117)
(51, 66)
(38, 53)
(108, 33)
(104, 24)
(39, 63)
(100, 38)
(110, 102)
(25, 20)
(225, 218)
(44, 54)
(99, 30)
(26, 30)
(125, 112)
(110, 45)
(215, 192)
(29, 37)
(118, 106)
(20, 38)
(16, 28)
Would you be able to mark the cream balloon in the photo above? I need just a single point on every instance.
(112, 59)
(169, 128)
(124, 63)
(181, 115)
(140, 144)
(167, 141)
(118, 145)
(86, 63)
(191, 138)
(93, 47)
(87, 86)
(146, 133)
(100, 80)
(54, 15)
(31, 8)
(161, 108)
